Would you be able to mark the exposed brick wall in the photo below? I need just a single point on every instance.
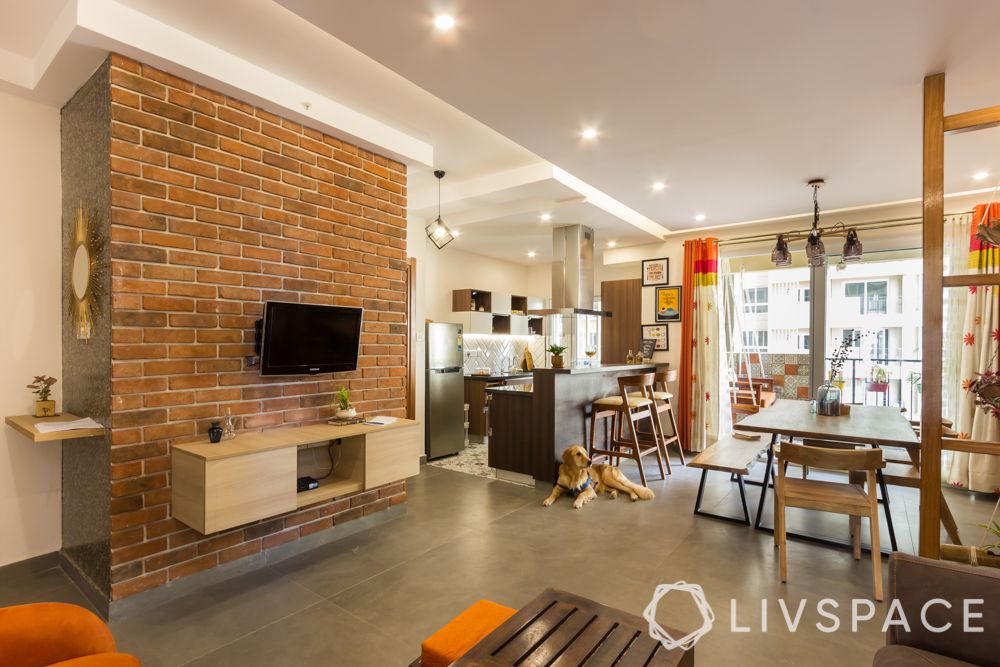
(216, 207)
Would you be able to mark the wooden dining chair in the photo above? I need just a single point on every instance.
(854, 500)
(634, 404)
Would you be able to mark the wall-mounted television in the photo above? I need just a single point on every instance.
(305, 339)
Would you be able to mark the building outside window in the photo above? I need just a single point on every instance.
(803, 295)
(872, 296)
(804, 342)
(755, 300)
(755, 341)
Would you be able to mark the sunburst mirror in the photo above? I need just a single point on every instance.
(83, 278)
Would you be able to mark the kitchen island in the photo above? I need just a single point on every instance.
(532, 424)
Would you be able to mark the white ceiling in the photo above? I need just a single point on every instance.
(734, 104)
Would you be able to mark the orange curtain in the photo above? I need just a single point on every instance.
(699, 385)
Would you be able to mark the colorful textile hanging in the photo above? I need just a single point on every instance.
(980, 338)
(700, 385)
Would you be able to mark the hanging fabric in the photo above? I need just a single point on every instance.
(980, 340)
(702, 382)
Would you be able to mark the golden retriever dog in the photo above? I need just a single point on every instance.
(584, 481)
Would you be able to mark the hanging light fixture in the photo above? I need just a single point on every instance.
(815, 250)
(437, 231)
(852, 247)
(780, 255)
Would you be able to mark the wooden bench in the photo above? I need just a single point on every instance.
(734, 455)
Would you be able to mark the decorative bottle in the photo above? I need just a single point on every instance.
(228, 428)
(630, 358)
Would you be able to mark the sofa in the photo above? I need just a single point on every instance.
(54, 634)
(914, 581)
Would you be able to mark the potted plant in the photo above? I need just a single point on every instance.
(42, 387)
(556, 352)
(344, 408)
(878, 380)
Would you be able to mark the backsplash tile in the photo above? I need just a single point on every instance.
(495, 352)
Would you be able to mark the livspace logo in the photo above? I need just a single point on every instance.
(860, 611)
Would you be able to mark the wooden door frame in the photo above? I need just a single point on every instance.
(411, 371)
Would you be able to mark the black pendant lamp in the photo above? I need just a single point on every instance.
(815, 250)
(852, 247)
(437, 231)
(781, 255)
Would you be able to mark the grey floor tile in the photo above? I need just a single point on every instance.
(184, 629)
(322, 634)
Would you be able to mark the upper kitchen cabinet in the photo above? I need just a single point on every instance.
(463, 300)
(518, 305)
(519, 325)
(501, 303)
(474, 322)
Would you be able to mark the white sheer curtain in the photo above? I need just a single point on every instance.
(957, 231)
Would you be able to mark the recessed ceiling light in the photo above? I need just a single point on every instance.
(531, 253)
(700, 217)
(589, 133)
(545, 217)
(456, 233)
(444, 21)
(612, 244)
(659, 185)
(981, 175)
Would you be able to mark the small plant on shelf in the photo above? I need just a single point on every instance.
(556, 351)
(344, 408)
(42, 387)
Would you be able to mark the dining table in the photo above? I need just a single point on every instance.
(867, 425)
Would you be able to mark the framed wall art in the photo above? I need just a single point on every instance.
(658, 334)
(655, 272)
(668, 303)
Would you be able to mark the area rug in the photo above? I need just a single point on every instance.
(473, 460)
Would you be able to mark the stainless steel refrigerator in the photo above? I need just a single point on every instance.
(444, 419)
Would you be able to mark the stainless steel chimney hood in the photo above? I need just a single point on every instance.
(572, 273)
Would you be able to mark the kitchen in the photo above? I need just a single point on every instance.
(492, 383)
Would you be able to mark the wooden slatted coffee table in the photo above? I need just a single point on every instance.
(565, 630)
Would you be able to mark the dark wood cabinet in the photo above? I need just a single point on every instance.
(623, 330)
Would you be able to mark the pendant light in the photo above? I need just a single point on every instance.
(815, 250)
(852, 247)
(437, 231)
(780, 255)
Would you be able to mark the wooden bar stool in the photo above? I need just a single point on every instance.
(634, 404)
(661, 399)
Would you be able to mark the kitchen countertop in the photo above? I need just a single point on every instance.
(512, 389)
(496, 377)
(600, 368)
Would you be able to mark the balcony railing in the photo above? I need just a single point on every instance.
(902, 388)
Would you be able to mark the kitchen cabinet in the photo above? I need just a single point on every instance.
(475, 396)
(501, 303)
(475, 322)
(519, 325)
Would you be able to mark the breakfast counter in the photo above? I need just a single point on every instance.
(531, 424)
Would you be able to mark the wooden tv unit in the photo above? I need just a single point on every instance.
(253, 477)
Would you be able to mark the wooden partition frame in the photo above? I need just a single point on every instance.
(936, 126)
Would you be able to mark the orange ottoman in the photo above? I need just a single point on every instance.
(462, 633)
(52, 633)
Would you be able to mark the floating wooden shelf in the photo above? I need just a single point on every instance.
(328, 489)
(25, 424)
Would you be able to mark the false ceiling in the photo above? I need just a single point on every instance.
(732, 104)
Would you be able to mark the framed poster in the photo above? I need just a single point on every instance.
(668, 304)
(657, 333)
(655, 272)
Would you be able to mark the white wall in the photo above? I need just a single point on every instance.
(30, 339)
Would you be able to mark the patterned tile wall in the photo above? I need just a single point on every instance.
(495, 352)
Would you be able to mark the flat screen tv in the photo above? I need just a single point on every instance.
(305, 339)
